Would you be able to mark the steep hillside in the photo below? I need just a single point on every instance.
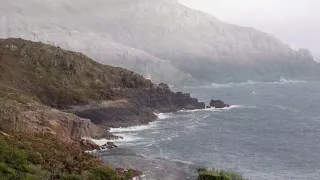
(61, 78)
(46, 89)
(192, 46)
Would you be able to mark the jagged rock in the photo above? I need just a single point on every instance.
(20, 113)
(89, 145)
(184, 101)
(108, 145)
(218, 104)
(111, 144)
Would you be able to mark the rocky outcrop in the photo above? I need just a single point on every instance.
(89, 145)
(108, 145)
(138, 107)
(218, 104)
(22, 114)
(65, 93)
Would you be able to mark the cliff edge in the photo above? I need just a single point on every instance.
(44, 88)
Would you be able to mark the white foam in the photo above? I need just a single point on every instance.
(284, 80)
(125, 139)
(134, 128)
(129, 129)
(164, 115)
(248, 82)
(214, 109)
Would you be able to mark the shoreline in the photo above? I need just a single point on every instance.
(126, 157)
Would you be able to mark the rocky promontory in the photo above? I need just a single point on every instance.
(46, 89)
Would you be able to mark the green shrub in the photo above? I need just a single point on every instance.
(71, 176)
(215, 174)
(44, 157)
(104, 173)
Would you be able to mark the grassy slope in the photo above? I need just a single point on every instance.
(41, 157)
(59, 78)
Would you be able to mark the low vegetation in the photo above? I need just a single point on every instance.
(215, 174)
(44, 157)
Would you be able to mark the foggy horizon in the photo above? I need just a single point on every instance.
(296, 26)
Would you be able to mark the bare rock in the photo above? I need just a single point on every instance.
(218, 104)
(89, 145)
(26, 115)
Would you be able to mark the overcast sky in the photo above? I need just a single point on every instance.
(295, 22)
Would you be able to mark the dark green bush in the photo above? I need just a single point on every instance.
(215, 174)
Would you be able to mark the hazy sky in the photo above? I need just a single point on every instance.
(295, 22)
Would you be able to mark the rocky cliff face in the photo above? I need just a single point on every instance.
(47, 89)
(22, 114)
(162, 36)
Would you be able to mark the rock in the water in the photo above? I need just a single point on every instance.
(111, 144)
(108, 145)
(218, 104)
(89, 145)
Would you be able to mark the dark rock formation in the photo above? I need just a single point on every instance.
(218, 104)
(108, 145)
(89, 145)
(184, 101)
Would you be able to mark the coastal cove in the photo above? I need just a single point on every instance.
(246, 138)
(49, 95)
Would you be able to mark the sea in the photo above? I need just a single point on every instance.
(271, 131)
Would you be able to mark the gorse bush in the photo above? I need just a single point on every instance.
(44, 157)
(215, 174)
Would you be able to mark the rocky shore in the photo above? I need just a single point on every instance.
(45, 89)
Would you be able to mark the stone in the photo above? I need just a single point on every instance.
(218, 104)
(89, 145)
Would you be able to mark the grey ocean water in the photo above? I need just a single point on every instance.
(272, 133)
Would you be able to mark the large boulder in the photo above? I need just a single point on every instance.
(218, 104)
(89, 145)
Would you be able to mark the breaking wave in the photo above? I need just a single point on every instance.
(133, 128)
(214, 109)
(249, 82)
(164, 115)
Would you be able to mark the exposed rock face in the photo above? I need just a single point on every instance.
(22, 114)
(218, 104)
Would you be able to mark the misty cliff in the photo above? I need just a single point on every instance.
(51, 90)
(175, 44)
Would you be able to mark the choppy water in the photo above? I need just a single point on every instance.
(273, 132)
